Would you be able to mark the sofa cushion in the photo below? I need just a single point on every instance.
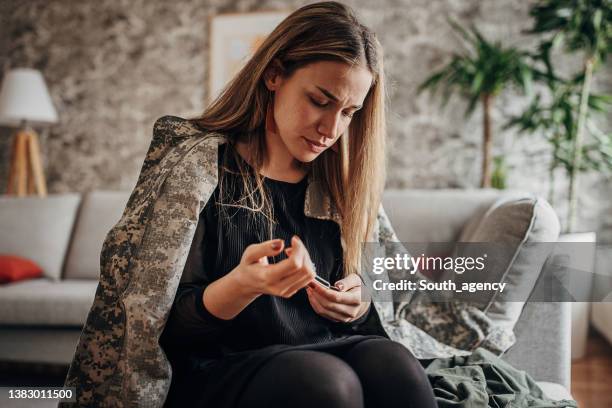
(46, 302)
(99, 212)
(524, 231)
(38, 229)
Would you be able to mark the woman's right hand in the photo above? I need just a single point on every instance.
(257, 276)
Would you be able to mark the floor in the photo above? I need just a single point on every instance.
(592, 374)
(43, 375)
(31, 376)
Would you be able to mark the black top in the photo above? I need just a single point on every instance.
(268, 320)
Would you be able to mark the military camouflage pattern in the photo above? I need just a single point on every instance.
(433, 329)
(118, 361)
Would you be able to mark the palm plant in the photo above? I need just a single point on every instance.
(480, 74)
(585, 26)
(556, 120)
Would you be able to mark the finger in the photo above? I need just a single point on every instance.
(348, 309)
(305, 253)
(313, 302)
(298, 249)
(284, 269)
(297, 266)
(307, 262)
(318, 308)
(352, 297)
(302, 277)
(299, 284)
(296, 260)
(348, 282)
(254, 252)
(321, 310)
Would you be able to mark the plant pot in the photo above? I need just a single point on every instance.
(582, 260)
(601, 312)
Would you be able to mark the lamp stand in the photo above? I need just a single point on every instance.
(25, 172)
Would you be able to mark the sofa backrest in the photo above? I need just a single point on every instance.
(99, 212)
(417, 216)
(38, 229)
(423, 216)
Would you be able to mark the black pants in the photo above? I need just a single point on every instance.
(372, 373)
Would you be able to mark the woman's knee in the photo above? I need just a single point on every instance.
(312, 378)
(383, 358)
(382, 350)
(390, 375)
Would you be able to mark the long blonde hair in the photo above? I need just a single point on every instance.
(354, 177)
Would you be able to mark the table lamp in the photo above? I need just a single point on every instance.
(25, 102)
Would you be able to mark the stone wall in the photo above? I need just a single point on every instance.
(113, 67)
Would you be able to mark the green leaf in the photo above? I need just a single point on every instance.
(597, 16)
(477, 82)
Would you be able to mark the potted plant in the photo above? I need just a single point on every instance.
(480, 74)
(567, 120)
(556, 120)
(585, 27)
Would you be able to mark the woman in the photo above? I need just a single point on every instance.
(250, 326)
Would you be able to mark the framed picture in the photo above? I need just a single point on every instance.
(233, 40)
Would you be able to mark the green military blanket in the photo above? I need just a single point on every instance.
(484, 380)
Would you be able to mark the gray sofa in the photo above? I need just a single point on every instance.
(41, 319)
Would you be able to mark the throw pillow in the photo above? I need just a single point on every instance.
(525, 229)
(14, 268)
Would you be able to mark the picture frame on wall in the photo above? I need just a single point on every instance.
(234, 38)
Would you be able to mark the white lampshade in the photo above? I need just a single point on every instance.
(24, 96)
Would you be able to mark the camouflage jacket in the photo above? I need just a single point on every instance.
(118, 361)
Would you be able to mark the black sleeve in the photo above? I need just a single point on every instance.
(189, 319)
(356, 326)
(363, 317)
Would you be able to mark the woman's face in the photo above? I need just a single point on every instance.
(314, 106)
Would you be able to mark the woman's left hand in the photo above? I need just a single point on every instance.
(344, 305)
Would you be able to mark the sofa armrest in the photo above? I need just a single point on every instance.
(543, 332)
(543, 347)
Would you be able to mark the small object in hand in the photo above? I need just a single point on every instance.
(324, 282)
